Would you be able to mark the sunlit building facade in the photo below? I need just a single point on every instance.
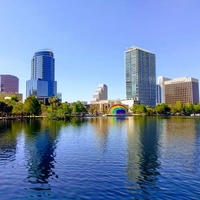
(42, 83)
(182, 89)
(9, 83)
(140, 76)
(161, 89)
(101, 93)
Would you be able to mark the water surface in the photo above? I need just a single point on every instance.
(101, 158)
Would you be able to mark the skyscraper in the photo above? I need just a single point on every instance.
(42, 83)
(140, 76)
(101, 93)
(9, 83)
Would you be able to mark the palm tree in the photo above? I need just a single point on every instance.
(53, 101)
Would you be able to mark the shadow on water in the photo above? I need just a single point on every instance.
(142, 167)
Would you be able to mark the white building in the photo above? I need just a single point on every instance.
(101, 93)
(161, 89)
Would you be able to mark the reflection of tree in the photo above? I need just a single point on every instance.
(77, 121)
(8, 141)
(40, 150)
(142, 167)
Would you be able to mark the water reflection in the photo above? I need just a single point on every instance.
(101, 129)
(178, 142)
(40, 145)
(101, 158)
(143, 164)
(77, 121)
(8, 140)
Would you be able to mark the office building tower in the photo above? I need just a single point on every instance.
(140, 75)
(101, 93)
(9, 83)
(161, 89)
(182, 89)
(42, 83)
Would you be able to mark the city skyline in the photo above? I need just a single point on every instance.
(89, 39)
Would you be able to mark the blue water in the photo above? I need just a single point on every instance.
(101, 158)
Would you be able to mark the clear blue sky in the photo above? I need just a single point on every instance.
(89, 37)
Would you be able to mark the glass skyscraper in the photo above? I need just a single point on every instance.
(140, 76)
(42, 83)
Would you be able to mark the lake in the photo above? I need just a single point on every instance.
(136, 157)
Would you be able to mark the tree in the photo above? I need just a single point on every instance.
(179, 106)
(54, 102)
(32, 106)
(5, 109)
(138, 109)
(78, 107)
(18, 108)
(197, 108)
(43, 109)
(14, 98)
(150, 111)
(162, 108)
(189, 108)
(67, 109)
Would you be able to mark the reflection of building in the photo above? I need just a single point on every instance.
(42, 83)
(101, 93)
(40, 151)
(9, 83)
(143, 154)
(101, 130)
(140, 75)
(182, 89)
(161, 89)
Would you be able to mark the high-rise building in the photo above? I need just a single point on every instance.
(182, 89)
(9, 83)
(101, 93)
(161, 89)
(140, 75)
(42, 83)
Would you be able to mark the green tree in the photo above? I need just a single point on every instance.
(150, 110)
(162, 108)
(14, 98)
(78, 107)
(32, 106)
(197, 108)
(173, 109)
(189, 108)
(5, 108)
(179, 107)
(18, 108)
(138, 109)
(67, 109)
(54, 102)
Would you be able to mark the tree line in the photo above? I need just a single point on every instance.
(55, 109)
(163, 109)
(33, 107)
